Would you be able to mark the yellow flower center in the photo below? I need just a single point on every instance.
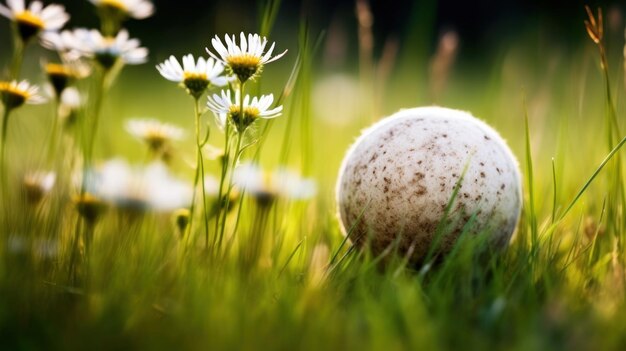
(108, 41)
(245, 119)
(8, 89)
(248, 111)
(89, 206)
(155, 138)
(114, 4)
(194, 76)
(59, 75)
(58, 69)
(245, 60)
(244, 66)
(28, 18)
(12, 96)
(195, 83)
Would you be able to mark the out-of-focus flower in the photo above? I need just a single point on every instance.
(61, 75)
(69, 106)
(17, 244)
(337, 99)
(292, 185)
(194, 76)
(46, 248)
(64, 43)
(14, 94)
(225, 109)
(143, 188)
(137, 9)
(106, 50)
(211, 190)
(266, 187)
(89, 206)
(34, 19)
(246, 59)
(37, 185)
(181, 220)
(154, 133)
(213, 153)
(211, 185)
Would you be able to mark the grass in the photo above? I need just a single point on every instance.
(287, 278)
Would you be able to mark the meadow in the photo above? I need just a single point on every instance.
(217, 228)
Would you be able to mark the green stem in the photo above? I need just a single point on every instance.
(229, 189)
(18, 55)
(5, 127)
(193, 201)
(71, 277)
(199, 176)
(52, 146)
(91, 137)
(224, 170)
(223, 211)
(3, 165)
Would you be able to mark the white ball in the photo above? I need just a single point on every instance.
(399, 176)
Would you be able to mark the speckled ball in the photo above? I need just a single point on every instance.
(399, 176)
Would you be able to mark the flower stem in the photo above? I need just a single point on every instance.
(230, 185)
(234, 158)
(18, 55)
(91, 137)
(224, 165)
(199, 176)
(53, 144)
(3, 165)
(5, 124)
(71, 277)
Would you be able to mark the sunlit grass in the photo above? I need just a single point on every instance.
(284, 276)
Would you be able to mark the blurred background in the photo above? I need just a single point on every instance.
(373, 58)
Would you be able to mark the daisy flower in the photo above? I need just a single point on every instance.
(37, 185)
(108, 50)
(89, 206)
(246, 59)
(64, 43)
(35, 18)
(212, 188)
(46, 248)
(154, 133)
(61, 75)
(194, 76)
(70, 104)
(14, 94)
(139, 188)
(181, 220)
(265, 187)
(227, 109)
(120, 9)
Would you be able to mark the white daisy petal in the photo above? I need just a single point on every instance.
(23, 91)
(6, 12)
(246, 59)
(36, 16)
(137, 9)
(16, 5)
(196, 76)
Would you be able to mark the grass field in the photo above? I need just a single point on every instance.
(270, 268)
